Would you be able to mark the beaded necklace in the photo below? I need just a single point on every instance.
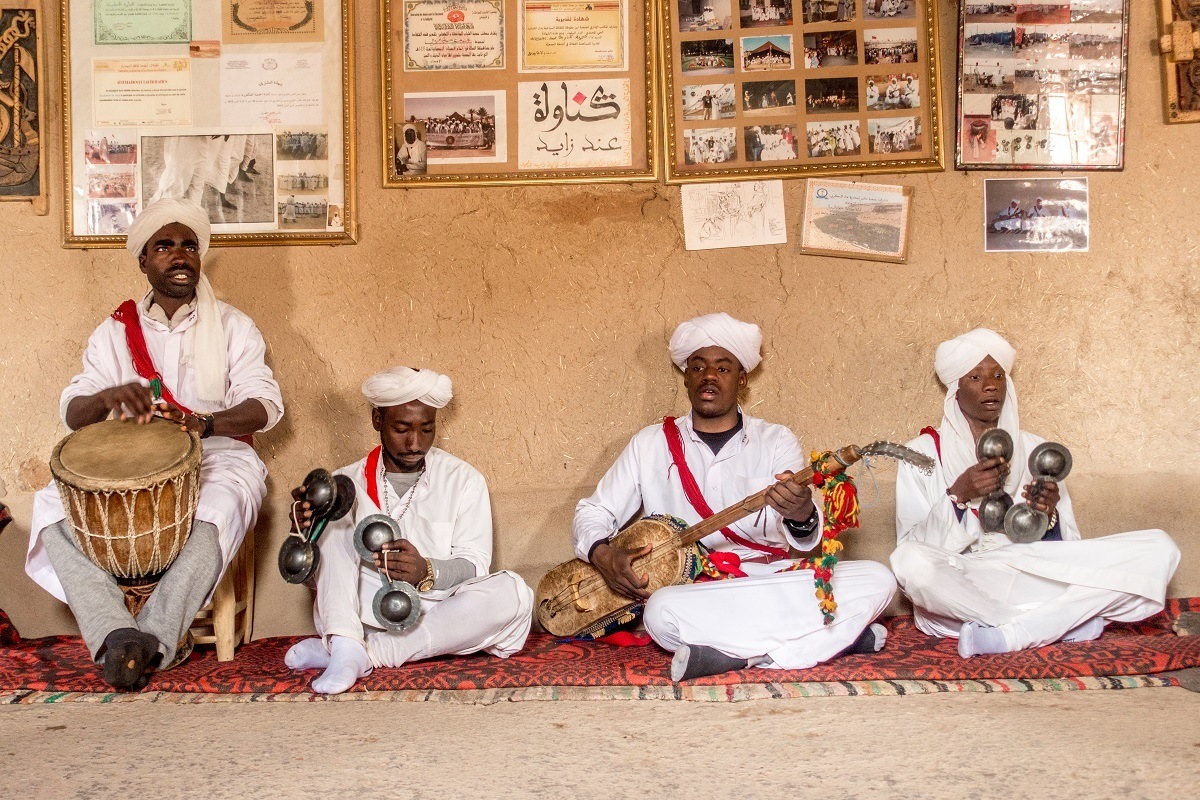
(386, 494)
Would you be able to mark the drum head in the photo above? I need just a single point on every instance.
(121, 450)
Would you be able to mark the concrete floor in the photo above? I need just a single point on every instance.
(1130, 744)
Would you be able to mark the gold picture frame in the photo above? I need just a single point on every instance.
(512, 92)
(246, 106)
(765, 112)
(23, 123)
(1179, 47)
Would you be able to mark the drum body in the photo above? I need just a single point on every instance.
(129, 492)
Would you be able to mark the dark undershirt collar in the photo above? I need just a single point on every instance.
(716, 441)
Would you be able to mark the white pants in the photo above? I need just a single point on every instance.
(771, 614)
(492, 613)
(1025, 589)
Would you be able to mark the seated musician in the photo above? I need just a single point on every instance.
(771, 617)
(442, 506)
(994, 595)
(208, 359)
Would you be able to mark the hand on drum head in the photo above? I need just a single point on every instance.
(791, 500)
(980, 480)
(301, 511)
(1042, 495)
(616, 567)
(402, 560)
(130, 401)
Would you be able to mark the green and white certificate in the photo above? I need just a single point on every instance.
(142, 21)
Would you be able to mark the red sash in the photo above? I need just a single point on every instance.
(932, 433)
(372, 476)
(691, 490)
(127, 314)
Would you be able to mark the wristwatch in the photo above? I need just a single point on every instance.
(208, 420)
(426, 583)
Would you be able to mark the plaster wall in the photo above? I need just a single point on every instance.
(550, 308)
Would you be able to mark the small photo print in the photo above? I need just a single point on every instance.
(1040, 43)
(890, 92)
(1015, 111)
(766, 52)
(992, 11)
(890, 9)
(978, 139)
(110, 147)
(989, 75)
(831, 95)
(830, 10)
(989, 41)
(1095, 12)
(335, 217)
(311, 179)
(894, 134)
(890, 45)
(309, 144)
(834, 138)
(230, 174)
(708, 101)
(411, 150)
(109, 218)
(704, 15)
(460, 127)
(1044, 12)
(771, 143)
(831, 49)
(1035, 214)
(855, 220)
(112, 182)
(709, 145)
(707, 56)
(766, 13)
(302, 213)
(767, 97)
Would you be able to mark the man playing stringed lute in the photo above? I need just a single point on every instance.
(689, 468)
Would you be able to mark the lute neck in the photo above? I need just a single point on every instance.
(830, 464)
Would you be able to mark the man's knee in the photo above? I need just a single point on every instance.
(914, 565)
(658, 616)
(512, 594)
(1164, 548)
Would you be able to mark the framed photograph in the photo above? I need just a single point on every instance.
(245, 106)
(1036, 214)
(811, 80)
(849, 219)
(1179, 22)
(504, 92)
(1042, 85)
(22, 103)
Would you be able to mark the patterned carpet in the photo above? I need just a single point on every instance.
(58, 668)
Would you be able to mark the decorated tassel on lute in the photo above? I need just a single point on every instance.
(840, 501)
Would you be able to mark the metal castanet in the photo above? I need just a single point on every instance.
(574, 597)
(397, 604)
(996, 443)
(1049, 461)
(329, 497)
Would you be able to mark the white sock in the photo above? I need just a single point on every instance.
(881, 633)
(1086, 632)
(308, 654)
(348, 661)
(975, 640)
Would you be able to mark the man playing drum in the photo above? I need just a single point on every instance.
(769, 618)
(995, 595)
(202, 355)
(444, 514)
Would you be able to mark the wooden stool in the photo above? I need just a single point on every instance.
(226, 621)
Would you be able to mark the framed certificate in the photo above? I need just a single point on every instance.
(496, 92)
(244, 106)
(789, 88)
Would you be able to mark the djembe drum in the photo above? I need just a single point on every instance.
(129, 492)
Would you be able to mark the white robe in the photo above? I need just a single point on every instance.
(954, 572)
(449, 516)
(767, 613)
(232, 477)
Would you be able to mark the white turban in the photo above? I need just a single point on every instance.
(743, 339)
(204, 342)
(400, 385)
(954, 359)
(162, 213)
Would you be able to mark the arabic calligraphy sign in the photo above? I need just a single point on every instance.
(574, 124)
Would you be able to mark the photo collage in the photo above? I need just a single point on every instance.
(1041, 83)
(797, 81)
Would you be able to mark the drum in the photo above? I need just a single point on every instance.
(129, 492)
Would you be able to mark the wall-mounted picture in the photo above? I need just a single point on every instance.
(24, 83)
(830, 10)
(709, 101)
(834, 138)
(229, 174)
(766, 13)
(767, 97)
(460, 127)
(856, 220)
(110, 147)
(831, 49)
(704, 15)
(1037, 214)
(710, 145)
(889, 9)
(707, 56)
(412, 150)
(771, 143)
(1180, 67)
(831, 95)
(766, 52)
(1042, 85)
(894, 134)
(890, 45)
(890, 92)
